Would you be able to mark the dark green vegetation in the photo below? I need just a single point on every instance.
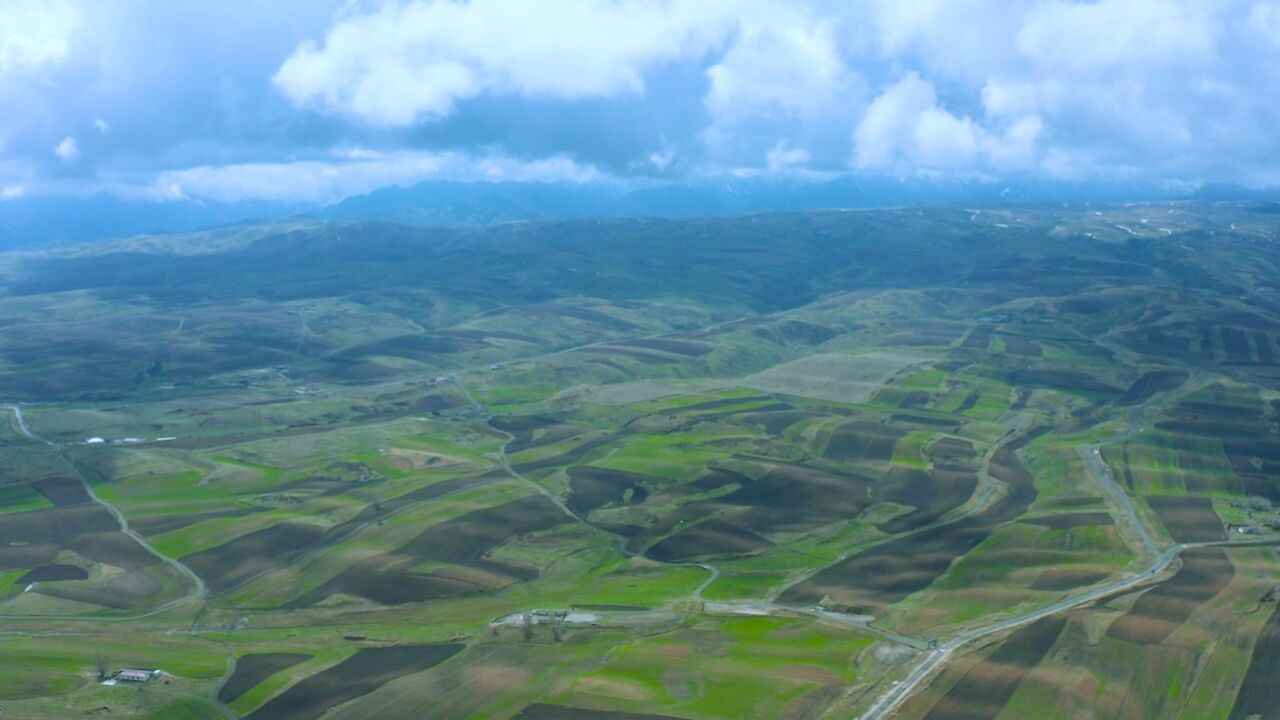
(763, 460)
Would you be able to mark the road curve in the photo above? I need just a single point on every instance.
(198, 589)
(892, 699)
(1091, 456)
(22, 424)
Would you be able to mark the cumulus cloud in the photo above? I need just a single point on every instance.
(351, 172)
(663, 157)
(783, 62)
(34, 34)
(67, 150)
(405, 61)
(950, 38)
(782, 157)
(1127, 35)
(1163, 90)
(906, 129)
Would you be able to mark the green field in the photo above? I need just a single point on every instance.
(760, 475)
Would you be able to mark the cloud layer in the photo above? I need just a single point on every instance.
(195, 101)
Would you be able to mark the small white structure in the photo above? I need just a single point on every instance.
(132, 675)
(95, 441)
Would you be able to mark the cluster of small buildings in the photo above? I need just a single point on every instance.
(124, 441)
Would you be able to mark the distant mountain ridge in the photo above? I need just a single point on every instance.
(452, 204)
(35, 222)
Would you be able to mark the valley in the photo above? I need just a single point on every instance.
(910, 463)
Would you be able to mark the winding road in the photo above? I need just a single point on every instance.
(1100, 473)
(198, 589)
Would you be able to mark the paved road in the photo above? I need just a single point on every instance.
(1160, 561)
(1101, 472)
(891, 700)
(198, 589)
(22, 424)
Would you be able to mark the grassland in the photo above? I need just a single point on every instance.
(760, 475)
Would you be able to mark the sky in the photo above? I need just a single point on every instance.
(315, 100)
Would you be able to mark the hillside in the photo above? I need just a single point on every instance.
(986, 462)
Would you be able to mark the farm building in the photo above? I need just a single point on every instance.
(132, 675)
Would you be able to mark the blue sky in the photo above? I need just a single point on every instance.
(314, 100)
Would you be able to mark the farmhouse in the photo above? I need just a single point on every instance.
(132, 675)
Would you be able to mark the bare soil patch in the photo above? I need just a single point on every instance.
(1259, 695)
(36, 537)
(225, 566)
(253, 669)
(932, 493)
(560, 712)
(1163, 609)
(861, 440)
(53, 573)
(462, 544)
(367, 670)
(1152, 382)
(1188, 519)
(890, 572)
(985, 689)
(593, 487)
(713, 538)
(62, 491)
(159, 524)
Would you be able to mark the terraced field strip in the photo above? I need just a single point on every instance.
(1259, 695)
(1160, 611)
(253, 669)
(198, 592)
(560, 712)
(986, 688)
(904, 564)
(896, 695)
(367, 670)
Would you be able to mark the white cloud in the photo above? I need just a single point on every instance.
(906, 129)
(783, 157)
(406, 61)
(782, 63)
(1087, 89)
(1090, 89)
(68, 151)
(662, 158)
(1128, 35)
(12, 192)
(34, 34)
(351, 173)
(951, 38)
